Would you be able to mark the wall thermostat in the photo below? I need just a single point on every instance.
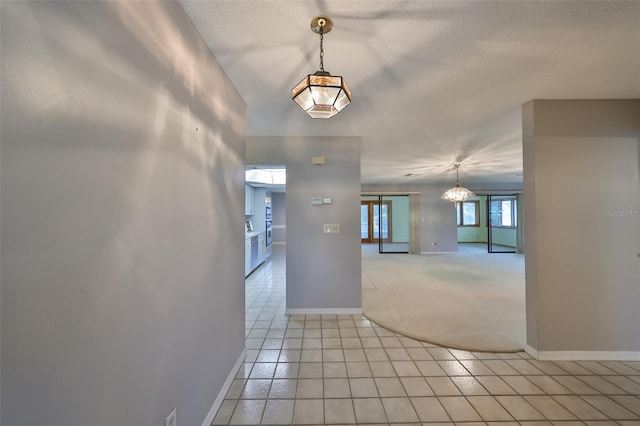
(316, 201)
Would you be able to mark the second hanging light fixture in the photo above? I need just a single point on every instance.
(321, 94)
(457, 193)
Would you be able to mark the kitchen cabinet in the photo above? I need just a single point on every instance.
(249, 200)
(255, 261)
(262, 247)
(247, 256)
(255, 251)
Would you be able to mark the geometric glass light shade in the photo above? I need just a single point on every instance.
(321, 94)
(457, 193)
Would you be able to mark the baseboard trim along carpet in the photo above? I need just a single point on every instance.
(478, 347)
(340, 311)
(438, 252)
(587, 355)
(225, 388)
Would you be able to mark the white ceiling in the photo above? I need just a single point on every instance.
(433, 82)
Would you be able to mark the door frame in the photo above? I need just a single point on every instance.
(370, 238)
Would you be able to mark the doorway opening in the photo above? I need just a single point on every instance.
(264, 213)
(384, 220)
(493, 221)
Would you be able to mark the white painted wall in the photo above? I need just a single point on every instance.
(323, 270)
(582, 204)
(122, 216)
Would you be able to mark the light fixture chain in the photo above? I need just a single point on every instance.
(320, 94)
(321, 52)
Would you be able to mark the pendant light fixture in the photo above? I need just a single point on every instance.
(457, 193)
(321, 94)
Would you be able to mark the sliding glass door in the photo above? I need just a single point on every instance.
(384, 220)
(502, 223)
(394, 223)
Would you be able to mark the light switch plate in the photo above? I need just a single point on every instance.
(331, 228)
(326, 201)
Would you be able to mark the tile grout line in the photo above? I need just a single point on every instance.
(607, 373)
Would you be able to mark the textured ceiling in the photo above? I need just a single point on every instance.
(433, 82)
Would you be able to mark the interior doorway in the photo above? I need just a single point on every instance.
(264, 218)
(384, 220)
(375, 221)
(492, 220)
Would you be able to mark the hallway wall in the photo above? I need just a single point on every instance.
(122, 216)
(323, 270)
(582, 202)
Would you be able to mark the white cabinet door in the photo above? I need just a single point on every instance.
(262, 247)
(249, 200)
(247, 256)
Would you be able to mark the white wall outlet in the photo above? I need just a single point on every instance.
(171, 418)
(331, 228)
(326, 200)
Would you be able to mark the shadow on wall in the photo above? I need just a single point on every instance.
(124, 141)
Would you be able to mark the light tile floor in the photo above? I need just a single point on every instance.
(346, 370)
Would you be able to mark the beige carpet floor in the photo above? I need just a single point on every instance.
(469, 300)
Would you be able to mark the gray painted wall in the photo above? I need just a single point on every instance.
(122, 205)
(323, 270)
(582, 235)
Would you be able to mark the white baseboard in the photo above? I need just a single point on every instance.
(531, 351)
(225, 388)
(341, 311)
(583, 355)
(438, 252)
